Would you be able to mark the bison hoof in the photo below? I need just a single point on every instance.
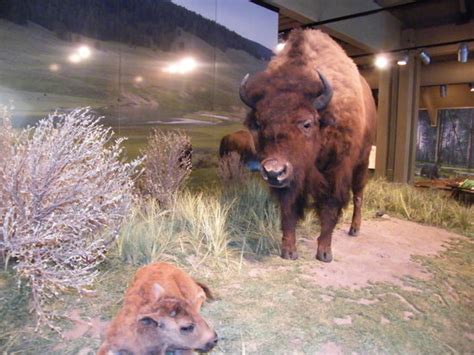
(289, 255)
(325, 256)
(354, 232)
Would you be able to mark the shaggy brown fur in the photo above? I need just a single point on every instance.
(317, 153)
(159, 314)
(240, 142)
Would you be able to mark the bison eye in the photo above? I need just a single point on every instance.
(147, 321)
(187, 329)
(255, 125)
(305, 125)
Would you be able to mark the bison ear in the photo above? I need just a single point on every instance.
(326, 120)
(157, 291)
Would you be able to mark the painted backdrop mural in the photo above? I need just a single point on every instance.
(141, 64)
(450, 145)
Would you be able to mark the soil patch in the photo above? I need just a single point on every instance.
(383, 252)
(94, 327)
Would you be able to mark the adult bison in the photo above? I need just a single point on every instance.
(313, 119)
(240, 142)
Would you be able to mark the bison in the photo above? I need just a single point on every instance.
(430, 171)
(160, 313)
(313, 119)
(240, 142)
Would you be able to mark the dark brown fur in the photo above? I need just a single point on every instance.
(326, 151)
(240, 142)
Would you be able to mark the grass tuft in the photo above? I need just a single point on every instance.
(428, 206)
(192, 231)
(203, 228)
(254, 218)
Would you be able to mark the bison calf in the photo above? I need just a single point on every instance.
(160, 314)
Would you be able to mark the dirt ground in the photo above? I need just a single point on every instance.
(399, 287)
(381, 253)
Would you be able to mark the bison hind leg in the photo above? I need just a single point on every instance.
(353, 231)
(359, 179)
(324, 255)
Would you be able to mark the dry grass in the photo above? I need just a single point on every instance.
(231, 170)
(214, 226)
(191, 232)
(266, 305)
(207, 228)
(419, 205)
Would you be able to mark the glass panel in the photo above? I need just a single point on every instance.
(456, 135)
(142, 64)
(426, 139)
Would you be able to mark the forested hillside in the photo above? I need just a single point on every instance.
(149, 23)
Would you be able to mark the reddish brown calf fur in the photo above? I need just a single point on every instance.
(159, 314)
(313, 121)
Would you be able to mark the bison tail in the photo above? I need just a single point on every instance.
(206, 290)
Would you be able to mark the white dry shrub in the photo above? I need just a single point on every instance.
(6, 139)
(167, 165)
(65, 193)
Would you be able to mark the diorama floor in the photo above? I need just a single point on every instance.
(399, 287)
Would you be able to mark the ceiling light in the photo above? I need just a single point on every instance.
(425, 57)
(471, 87)
(403, 60)
(443, 90)
(84, 52)
(463, 53)
(74, 58)
(381, 61)
(183, 66)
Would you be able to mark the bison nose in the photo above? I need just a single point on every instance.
(211, 344)
(275, 172)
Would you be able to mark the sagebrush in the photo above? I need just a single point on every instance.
(167, 165)
(231, 170)
(65, 192)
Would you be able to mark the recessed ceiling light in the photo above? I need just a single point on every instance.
(381, 61)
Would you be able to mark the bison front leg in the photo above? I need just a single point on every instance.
(289, 218)
(328, 214)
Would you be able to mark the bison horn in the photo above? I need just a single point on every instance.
(243, 94)
(323, 99)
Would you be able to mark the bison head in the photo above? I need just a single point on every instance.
(170, 324)
(174, 322)
(287, 117)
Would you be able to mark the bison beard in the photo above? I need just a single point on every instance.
(313, 121)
